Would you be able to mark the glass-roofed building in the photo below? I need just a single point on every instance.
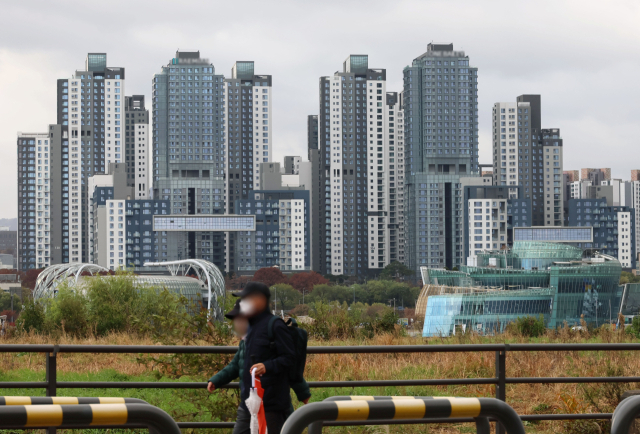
(531, 279)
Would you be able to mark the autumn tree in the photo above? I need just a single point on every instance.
(270, 276)
(304, 282)
(30, 277)
(237, 283)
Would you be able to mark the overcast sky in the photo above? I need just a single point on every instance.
(581, 56)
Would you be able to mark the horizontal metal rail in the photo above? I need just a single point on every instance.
(500, 380)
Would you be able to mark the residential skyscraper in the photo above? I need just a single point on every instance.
(86, 137)
(189, 150)
(39, 209)
(441, 131)
(317, 215)
(360, 126)
(249, 121)
(525, 154)
(136, 140)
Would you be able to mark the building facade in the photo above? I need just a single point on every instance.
(360, 134)
(525, 154)
(282, 235)
(614, 227)
(37, 205)
(317, 216)
(490, 217)
(441, 146)
(578, 286)
(87, 136)
(136, 140)
(189, 107)
(292, 165)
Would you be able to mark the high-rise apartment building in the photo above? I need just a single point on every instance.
(91, 116)
(525, 154)
(87, 136)
(317, 215)
(136, 143)
(189, 106)
(39, 210)
(249, 137)
(441, 146)
(249, 128)
(360, 134)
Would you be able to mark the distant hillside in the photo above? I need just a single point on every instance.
(12, 223)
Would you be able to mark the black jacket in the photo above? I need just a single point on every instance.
(277, 361)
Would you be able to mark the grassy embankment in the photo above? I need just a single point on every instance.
(526, 399)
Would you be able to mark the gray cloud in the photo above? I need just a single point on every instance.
(581, 56)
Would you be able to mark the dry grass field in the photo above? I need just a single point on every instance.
(526, 399)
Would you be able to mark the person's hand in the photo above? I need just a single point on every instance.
(306, 401)
(259, 367)
(211, 387)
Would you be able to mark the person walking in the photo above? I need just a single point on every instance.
(270, 358)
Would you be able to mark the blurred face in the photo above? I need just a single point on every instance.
(253, 304)
(240, 325)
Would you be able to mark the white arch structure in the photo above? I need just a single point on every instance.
(51, 276)
(206, 272)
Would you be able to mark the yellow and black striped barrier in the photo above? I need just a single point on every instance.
(375, 410)
(84, 415)
(482, 423)
(65, 400)
(624, 415)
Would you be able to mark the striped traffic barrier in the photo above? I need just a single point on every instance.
(624, 415)
(363, 410)
(65, 400)
(83, 415)
(482, 423)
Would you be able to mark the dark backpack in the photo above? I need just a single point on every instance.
(300, 338)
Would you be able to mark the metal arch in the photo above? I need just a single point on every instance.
(206, 272)
(51, 276)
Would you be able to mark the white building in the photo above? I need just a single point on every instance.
(361, 132)
(35, 231)
(487, 225)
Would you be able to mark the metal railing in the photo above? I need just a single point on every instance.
(88, 416)
(482, 423)
(500, 380)
(418, 409)
(624, 415)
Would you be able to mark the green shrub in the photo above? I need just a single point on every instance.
(634, 327)
(68, 311)
(31, 318)
(527, 326)
(340, 321)
(102, 305)
(117, 304)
